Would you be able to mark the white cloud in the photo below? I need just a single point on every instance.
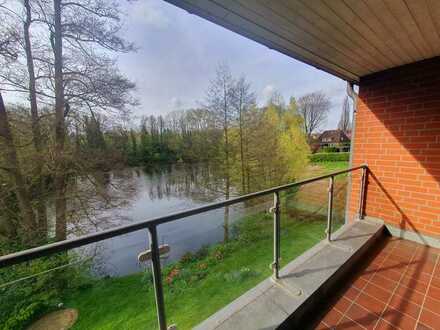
(267, 93)
(176, 103)
(149, 13)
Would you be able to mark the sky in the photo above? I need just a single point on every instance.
(178, 54)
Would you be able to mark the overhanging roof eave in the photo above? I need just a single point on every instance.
(325, 64)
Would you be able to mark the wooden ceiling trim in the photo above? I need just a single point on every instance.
(423, 17)
(363, 11)
(434, 11)
(345, 13)
(309, 20)
(384, 15)
(401, 12)
(341, 25)
(343, 54)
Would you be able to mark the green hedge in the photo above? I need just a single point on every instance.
(330, 157)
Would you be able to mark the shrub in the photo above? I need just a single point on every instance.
(23, 301)
(330, 157)
(329, 149)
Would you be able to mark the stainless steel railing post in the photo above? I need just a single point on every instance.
(362, 193)
(276, 234)
(157, 278)
(330, 208)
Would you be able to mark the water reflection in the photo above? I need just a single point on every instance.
(137, 194)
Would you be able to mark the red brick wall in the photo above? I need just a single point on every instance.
(398, 135)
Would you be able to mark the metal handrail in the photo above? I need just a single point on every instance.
(151, 225)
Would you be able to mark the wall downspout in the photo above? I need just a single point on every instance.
(353, 95)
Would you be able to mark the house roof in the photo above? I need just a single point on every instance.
(335, 136)
(348, 38)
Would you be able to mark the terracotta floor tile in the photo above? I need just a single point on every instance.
(377, 292)
(377, 259)
(383, 325)
(434, 292)
(430, 319)
(362, 316)
(371, 304)
(408, 244)
(421, 277)
(383, 282)
(332, 318)
(436, 273)
(432, 304)
(402, 271)
(405, 306)
(393, 274)
(399, 319)
(366, 275)
(419, 267)
(412, 283)
(404, 253)
(322, 326)
(400, 258)
(425, 257)
(373, 268)
(348, 324)
(352, 293)
(360, 283)
(421, 326)
(411, 295)
(435, 282)
(342, 304)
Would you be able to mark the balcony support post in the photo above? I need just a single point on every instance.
(362, 193)
(276, 235)
(157, 278)
(330, 208)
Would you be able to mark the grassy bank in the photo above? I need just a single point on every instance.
(200, 284)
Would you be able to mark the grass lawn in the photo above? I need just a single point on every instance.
(199, 285)
(332, 166)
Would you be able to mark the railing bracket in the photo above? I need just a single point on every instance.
(146, 255)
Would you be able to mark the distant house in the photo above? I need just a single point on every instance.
(334, 139)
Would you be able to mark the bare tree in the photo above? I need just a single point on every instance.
(276, 99)
(345, 123)
(88, 78)
(220, 100)
(243, 100)
(313, 108)
(60, 125)
(35, 117)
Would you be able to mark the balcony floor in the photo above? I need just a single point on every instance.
(399, 288)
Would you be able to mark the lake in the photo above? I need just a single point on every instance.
(138, 194)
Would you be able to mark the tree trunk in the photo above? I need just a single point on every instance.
(243, 181)
(228, 183)
(36, 130)
(60, 172)
(10, 153)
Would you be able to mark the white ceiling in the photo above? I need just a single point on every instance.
(348, 38)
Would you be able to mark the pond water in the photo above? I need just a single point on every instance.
(138, 194)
